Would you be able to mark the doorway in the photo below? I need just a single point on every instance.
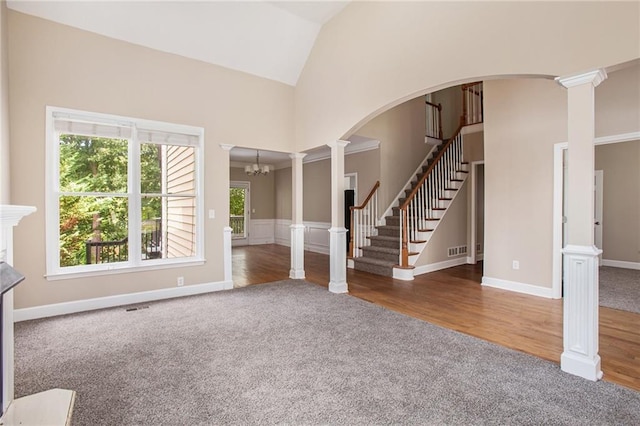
(476, 242)
(239, 208)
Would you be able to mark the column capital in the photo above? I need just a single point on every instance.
(339, 143)
(296, 155)
(226, 147)
(594, 77)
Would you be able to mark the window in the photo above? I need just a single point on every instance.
(121, 193)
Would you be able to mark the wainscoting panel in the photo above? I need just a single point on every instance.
(262, 231)
(316, 235)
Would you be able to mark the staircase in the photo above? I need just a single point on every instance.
(384, 248)
(392, 248)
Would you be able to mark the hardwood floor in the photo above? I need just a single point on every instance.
(454, 299)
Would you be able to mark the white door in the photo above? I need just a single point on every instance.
(239, 217)
(598, 211)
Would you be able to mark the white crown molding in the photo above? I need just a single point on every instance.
(594, 77)
(352, 148)
(226, 147)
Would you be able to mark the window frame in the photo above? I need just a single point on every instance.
(134, 195)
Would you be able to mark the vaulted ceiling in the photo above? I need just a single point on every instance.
(270, 39)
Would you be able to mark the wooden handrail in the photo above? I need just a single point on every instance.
(360, 207)
(439, 115)
(366, 201)
(428, 171)
(438, 106)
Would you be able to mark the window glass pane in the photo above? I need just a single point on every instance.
(167, 169)
(151, 168)
(93, 230)
(151, 228)
(92, 164)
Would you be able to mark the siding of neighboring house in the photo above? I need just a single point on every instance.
(181, 211)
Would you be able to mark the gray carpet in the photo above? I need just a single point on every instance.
(620, 289)
(293, 353)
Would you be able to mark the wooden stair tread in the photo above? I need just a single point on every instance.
(462, 171)
(382, 237)
(451, 189)
(445, 199)
(373, 261)
(457, 180)
(439, 208)
(418, 241)
(388, 250)
(425, 230)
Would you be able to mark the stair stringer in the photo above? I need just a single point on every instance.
(417, 249)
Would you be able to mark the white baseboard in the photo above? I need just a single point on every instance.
(621, 264)
(55, 309)
(432, 267)
(517, 287)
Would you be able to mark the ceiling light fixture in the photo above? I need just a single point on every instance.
(257, 169)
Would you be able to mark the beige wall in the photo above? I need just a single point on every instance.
(262, 192)
(317, 191)
(367, 165)
(523, 120)
(317, 185)
(375, 55)
(621, 200)
(451, 101)
(52, 64)
(5, 195)
(474, 147)
(283, 207)
(618, 102)
(451, 232)
(401, 132)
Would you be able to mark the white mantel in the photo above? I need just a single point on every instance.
(10, 216)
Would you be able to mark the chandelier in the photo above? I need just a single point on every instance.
(257, 169)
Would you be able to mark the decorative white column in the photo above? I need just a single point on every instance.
(580, 356)
(337, 232)
(10, 216)
(226, 234)
(297, 226)
(228, 268)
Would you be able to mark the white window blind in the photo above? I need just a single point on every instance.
(169, 138)
(77, 125)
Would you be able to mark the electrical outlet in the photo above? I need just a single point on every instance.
(180, 281)
(516, 264)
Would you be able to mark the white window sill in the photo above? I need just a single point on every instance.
(113, 269)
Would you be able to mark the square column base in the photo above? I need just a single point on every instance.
(297, 252)
(338, 260)
(582, 366)
(581, 320)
